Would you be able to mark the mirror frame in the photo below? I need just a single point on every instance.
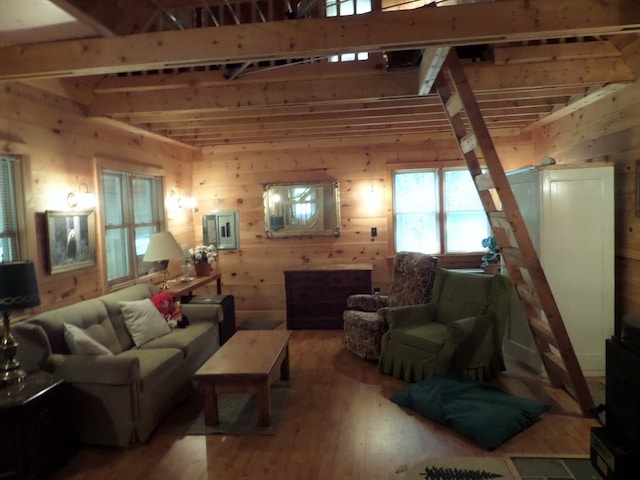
(291, 230)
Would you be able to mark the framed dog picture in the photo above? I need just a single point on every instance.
(71, 240)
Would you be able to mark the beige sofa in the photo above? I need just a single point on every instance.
(118, 399)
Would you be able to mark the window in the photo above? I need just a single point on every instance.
(132, 212)
(10, 208)
(437, 211)
(344, 8)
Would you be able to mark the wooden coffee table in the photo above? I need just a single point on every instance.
(247, 363)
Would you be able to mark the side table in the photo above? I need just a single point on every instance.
(29, 439)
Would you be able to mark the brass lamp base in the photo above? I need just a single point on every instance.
(10, 371)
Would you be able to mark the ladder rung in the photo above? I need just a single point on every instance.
(454, 105)
(528, 294)
(555, 366)
(511, 255)
(484, 182)
(468, 143)
(543, 331)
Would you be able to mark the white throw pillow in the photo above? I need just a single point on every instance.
(80, 343)
(143, 321)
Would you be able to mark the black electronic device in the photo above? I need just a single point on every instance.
(611, 459)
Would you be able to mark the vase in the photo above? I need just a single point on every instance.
(203, 269)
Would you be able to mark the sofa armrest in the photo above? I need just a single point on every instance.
(195, 312)
(366, 302)
(405, 316)
(96, 369)
(34, 347)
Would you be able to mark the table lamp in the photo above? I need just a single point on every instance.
(18, 290)
(162, 248)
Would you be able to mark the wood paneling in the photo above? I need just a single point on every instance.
(59, 145)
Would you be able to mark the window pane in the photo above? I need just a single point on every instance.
(465, 231)
(143, 201)
(346, 8)
(143, 235)
(415, 192)
(117, 257)
(363, 6)
(112, 189)
(459, 191)
(417, 232)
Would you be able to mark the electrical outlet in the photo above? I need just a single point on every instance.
(374, 232)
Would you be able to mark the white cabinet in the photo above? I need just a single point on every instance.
(569, 213)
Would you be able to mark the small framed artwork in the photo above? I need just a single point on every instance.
(71, 240)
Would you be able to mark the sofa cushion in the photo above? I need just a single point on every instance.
(89, 315)
(158, 365)
(111, 302)
(80, 342)
(428, 337)
(143, 321)
(188, 340)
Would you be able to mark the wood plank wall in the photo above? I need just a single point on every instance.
(609, 130)
(233, 178)
(58, 144)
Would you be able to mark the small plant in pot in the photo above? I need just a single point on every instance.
(491, 259)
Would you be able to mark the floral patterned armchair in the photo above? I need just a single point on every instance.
(365, 318)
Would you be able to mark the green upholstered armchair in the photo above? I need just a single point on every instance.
(365, 317)
(460, 330)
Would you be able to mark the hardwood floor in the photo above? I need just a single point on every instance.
(339, 425)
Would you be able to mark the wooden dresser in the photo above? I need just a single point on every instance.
(316, 297)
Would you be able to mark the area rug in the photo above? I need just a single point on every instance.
(237, 412)
(554, 468)
(259, 324)
(460, 468)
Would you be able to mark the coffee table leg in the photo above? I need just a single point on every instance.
(210, 404)
(284, 366)
(263, 395)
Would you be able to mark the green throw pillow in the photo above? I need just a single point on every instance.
(476, 410)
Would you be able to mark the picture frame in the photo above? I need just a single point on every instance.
(71, 240)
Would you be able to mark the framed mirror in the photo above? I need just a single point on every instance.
(302, 209)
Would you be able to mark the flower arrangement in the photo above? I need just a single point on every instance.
(203, 253)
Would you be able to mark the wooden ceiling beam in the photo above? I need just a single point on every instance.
(510, 20)
(399, 83)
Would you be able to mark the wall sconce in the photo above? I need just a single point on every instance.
(188, 202)
(83, 199)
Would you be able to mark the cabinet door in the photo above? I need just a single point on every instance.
(569, 215)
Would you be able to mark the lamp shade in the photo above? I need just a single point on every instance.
(18, 286)
(162, 247)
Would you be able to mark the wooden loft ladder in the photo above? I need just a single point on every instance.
(510, 232)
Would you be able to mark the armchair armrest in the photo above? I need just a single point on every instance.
(405, 316)
(472, 340)
(95, 369)
(202, 312)
(366, 302)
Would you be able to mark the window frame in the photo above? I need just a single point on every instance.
(469, 260)
(130, 172)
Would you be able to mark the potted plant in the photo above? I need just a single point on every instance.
(491, 259)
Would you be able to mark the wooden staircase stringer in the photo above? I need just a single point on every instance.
(519, 254)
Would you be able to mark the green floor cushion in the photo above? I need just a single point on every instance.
(476, 410)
